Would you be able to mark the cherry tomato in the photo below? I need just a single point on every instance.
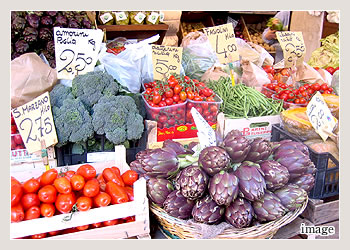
(102, 199)
(102, 182)
(198, 98)
(162, 104)
(214, 109)
(297, 101)
(48, 177)
(169, 93)
(324, 86)
(110, 222)
(326, 92)
(330, 89)
(130, 191)
(301, 89)
(331, 70)
(69, 174)
(162, 118)
(176, 98)
(65, 202)
(306, 86)
(304, 93)
(62, 185)
(54, 233)
(117, 193)
(77, 182)
(29, 200)
(169, 101)
(129, 177)
(316, 86)
(109, 175)
(47, 209)
(210, 99)
(39, 236)
(87, 171)
(177, 89)
(310, 91)
(96, 224)
(32, 213)
(157, 99)
(31, 186)
(47, 194)
(16, 193)
(17, 213)
(91, 188)
(82, 228)
(171, 121)
(302, 100)
(84, 203)
(190, 95)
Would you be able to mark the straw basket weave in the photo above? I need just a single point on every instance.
(180, 229)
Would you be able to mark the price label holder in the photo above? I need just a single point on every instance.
(36, 125)
(166, 61)
(206, 134)
(320, 116)
(76, 51)
(293, 47)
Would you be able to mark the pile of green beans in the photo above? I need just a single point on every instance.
(241, 101)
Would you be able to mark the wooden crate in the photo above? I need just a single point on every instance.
(138, 208)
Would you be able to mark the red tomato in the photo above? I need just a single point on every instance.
(177, 89)
(117, 193)
(190, 95)
(47, 194)
(16, 193)
(169, 93)
(91, 188)
(130, 191)
(176, 98)
(102, 199)
(198, 98)
(327, 92)
(156, 99)
(110, 222)
(302, 100)
(69, 174)
(162, 104)
(48, 177)
(129, 177)
(82, 228)
(14, 181)
(62, 185)
(54, 233)
(324, 86)
(129, 219)
(162, 118)
(17, 213)
(39, 236)
(87, 171)
(18, 139)
(78, 182)
(96, 224)
(65, 202)
(210, 99)
(102, 182)
(47, 209)
(169, 101)
(109, 175)
(13, 130)
(29, 200)
(31, 186)
(171, 121)
(183, 96)
(214, 109)
(316, 86)
(32, 213)
(84, 203)
(331, 70)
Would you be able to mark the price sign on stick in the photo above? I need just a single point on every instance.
(166, 61)
(76, 51)
(320, 116)
(222, 39)
(293, 47)
(35, 123)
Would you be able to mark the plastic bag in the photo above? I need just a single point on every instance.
(265, 57)
(130, 66)
(253, 76)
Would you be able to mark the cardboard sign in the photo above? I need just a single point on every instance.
(76, 51)
(293, 47)
(222, 39)
(320, 116)
(35, 123)
(166, 61)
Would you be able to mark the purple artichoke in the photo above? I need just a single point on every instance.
(207, 211)
(86, 23)
(52, 63)
(291, 196)
(51, 13)
(18, 23)
(21, 46)
(158, 189)
(73, 23)
(45, 34)
(176, 146)
(239, 213)
(50, 47)
(251, 181)
(178, 206)
(46, 21)
(15, 55)
(276, 175)
(287, 144)
(192, 181)
(33, 20)
(223, 188)
(213, 159)
(30, 34)
(236, 146)
(268, 208)
(260, 150)
(61, 21)
(306, 182)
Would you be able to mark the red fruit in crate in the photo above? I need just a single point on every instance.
(84, 203)
(47, 194)
(39, 236)
(64, 202)
(13, 144)
(54, 233)
(13, 129)
(16, 193)
(96, 225)
(82, 228)
(47, 209)
(91, 188)
(87, 171)
(129, 177)
(29, 200)
(48, 177)
(78, 182)
(62, 185)
(69, 174)
(17, 213)
(18, 139)
(117, 193)
(110, 222)
(31, 186)
(32, 213)
(109, 175)
(102, 199)
(13, 120)
(130, 191)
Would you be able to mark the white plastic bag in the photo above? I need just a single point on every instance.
(253, 76)
(130, 66)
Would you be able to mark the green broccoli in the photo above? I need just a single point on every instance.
(118, 118)
(72, 121)
(91, 86)
(59, 93)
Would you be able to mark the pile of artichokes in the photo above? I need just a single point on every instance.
(241, 181)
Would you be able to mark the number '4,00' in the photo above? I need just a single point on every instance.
(229, 47)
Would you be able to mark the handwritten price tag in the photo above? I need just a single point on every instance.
(35, 123)
(166, 61)
(76, 51)
(292, 44)
(222, 39)
(320, 116)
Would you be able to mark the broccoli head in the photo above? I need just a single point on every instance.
(59, 93)
(72, 121)
(91, 86)
(117, 117)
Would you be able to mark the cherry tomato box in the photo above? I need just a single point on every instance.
(137, 208)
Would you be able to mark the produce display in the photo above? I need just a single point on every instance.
(32, 31)
(188, 27)
(238, 181)
(55, 192)
(256, 30)
(16, 138)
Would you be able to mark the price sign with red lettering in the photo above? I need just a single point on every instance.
(166, 61)
(76, 51)
(35, 123)
(222, 39)
(293, 47)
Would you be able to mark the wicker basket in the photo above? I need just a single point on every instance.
(180, 229)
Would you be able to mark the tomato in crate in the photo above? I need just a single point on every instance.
(209, 109)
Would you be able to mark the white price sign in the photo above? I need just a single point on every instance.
(206, 134)
(76, 51)
(320, 116)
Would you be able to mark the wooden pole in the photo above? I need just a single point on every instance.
(44, 155)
